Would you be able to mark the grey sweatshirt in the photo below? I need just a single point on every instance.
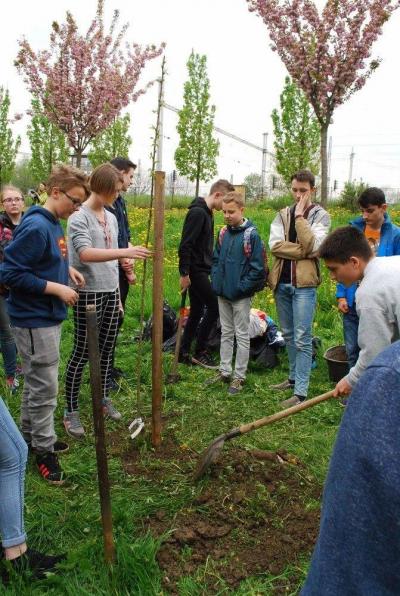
(378, 308)
(84, 231)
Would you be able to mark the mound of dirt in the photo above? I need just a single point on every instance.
(251, 517)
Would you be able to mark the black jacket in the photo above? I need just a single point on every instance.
(197, 241)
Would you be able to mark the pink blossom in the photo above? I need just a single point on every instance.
(84, 81)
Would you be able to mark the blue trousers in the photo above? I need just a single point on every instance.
(350, 332)
(7, 342)
(296, 308)
(13, 455)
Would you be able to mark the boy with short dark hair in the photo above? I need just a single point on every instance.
(36, 270)
(350, 259)
(295, 236)
(238, 272)
(384, 239)
(195, 261)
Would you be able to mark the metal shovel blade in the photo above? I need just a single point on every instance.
(209, 456)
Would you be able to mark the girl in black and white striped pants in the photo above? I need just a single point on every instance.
(107, 311)
(93, 250)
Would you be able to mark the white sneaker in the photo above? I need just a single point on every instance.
(110, 410)
(73, 426)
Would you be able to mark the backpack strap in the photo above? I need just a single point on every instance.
(247, 241)
(221, 234)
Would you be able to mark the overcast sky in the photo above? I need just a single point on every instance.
(246, 79)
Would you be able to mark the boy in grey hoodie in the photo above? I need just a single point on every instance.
(349, 258)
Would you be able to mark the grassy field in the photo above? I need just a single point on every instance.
(67, 518)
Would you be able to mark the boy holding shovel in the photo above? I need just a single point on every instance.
(349, 258)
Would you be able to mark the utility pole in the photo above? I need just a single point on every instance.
(329, 163)
(352, 154)
(264, 162)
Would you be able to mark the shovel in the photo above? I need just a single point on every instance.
(173, 376)
(211, 454)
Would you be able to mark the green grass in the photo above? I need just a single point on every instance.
(68, 518)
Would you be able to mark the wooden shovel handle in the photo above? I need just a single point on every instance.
(179, 333)
(307, 403)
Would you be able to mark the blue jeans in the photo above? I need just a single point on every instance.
(296, 308)
(7, 343)
(350, 332)
(13, 455)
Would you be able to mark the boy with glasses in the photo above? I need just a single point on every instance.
(36, 270)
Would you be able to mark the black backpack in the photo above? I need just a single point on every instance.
(170, 323)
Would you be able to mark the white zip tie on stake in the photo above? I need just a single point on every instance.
(140, 425)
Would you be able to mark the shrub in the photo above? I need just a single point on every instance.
(349, 195)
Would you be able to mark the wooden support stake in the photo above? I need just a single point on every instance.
(98, 420)
(157, 334)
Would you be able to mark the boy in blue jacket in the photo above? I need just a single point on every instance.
(384, 239)
(36, 270)
(238, 272)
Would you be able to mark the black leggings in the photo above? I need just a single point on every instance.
(201, 296)
(107, 308)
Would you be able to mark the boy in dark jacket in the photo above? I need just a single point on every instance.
(238, 272)
(36, 270)
(195, 260)
(384, 239)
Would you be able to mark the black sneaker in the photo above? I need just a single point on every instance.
(35, 563)
(50, 468)
(184, 358)
(116, 373)
(205, 360)
(58, 447)
(112, 384)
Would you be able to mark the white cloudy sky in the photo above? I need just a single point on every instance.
(246, 80)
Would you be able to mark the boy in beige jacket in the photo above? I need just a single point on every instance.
(295, 236)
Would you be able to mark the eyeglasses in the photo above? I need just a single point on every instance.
(75, 202)
(13, 200)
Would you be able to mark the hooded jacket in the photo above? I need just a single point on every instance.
(389, 246)
(196, 246)
(310, 231)
(37, 254)
(235, 275)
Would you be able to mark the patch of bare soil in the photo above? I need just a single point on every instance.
(250, 518)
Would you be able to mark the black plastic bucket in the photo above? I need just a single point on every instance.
(338, 365)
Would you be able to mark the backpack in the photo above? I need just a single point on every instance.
(247, 248)
(170, 323)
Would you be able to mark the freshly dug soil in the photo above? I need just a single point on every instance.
(250, 518)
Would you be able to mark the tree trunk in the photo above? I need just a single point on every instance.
(198, 170)
(78, 155)
(324, 164)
